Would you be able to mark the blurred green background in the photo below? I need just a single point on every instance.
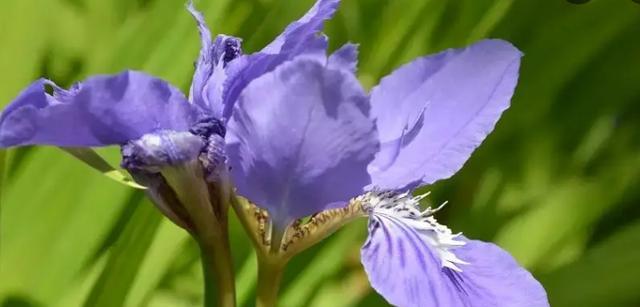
(557, 183)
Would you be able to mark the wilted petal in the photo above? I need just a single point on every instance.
(433, 112)
(408, 266)
(300, 37)
(103, 110)
(345, 58)
(209, 76)
(300, 140)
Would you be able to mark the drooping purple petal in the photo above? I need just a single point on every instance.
(103, 110)
(494, 269)
(433, 112)
(405, 268)
(345, 58)
(210, 74)
(300, 140)
(300, 37)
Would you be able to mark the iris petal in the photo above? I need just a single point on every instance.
(299, 32)
(300, 139)
(210, 74)
(205, 63)
(436, 110)
(345, 58)
(103, 110)
(406, 268)
(300, 37)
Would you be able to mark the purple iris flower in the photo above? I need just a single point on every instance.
(430, 116)
(156, 126)
(306, 138)
(302, 136)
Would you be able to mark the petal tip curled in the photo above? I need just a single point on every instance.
(16, 128)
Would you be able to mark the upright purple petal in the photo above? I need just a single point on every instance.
(407, 269)
(103, 110)
(210, 75)
(300, 140)
(345, 58)
(226, 49)
(245, 69)
(433, 112)
(241, 72)
(205, 63)
(298, 33)
(300, 37)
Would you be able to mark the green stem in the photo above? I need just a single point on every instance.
(217, 267)
(270, 271)
(207, 208)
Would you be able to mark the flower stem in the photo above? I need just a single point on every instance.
(217, 267)
(270, 272)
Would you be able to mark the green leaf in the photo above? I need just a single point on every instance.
(54, 217)
(167, 245)
(95, 161)
(246, 279)
(614, 261)
(324, 265)
(119, 274)
(20, 62)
